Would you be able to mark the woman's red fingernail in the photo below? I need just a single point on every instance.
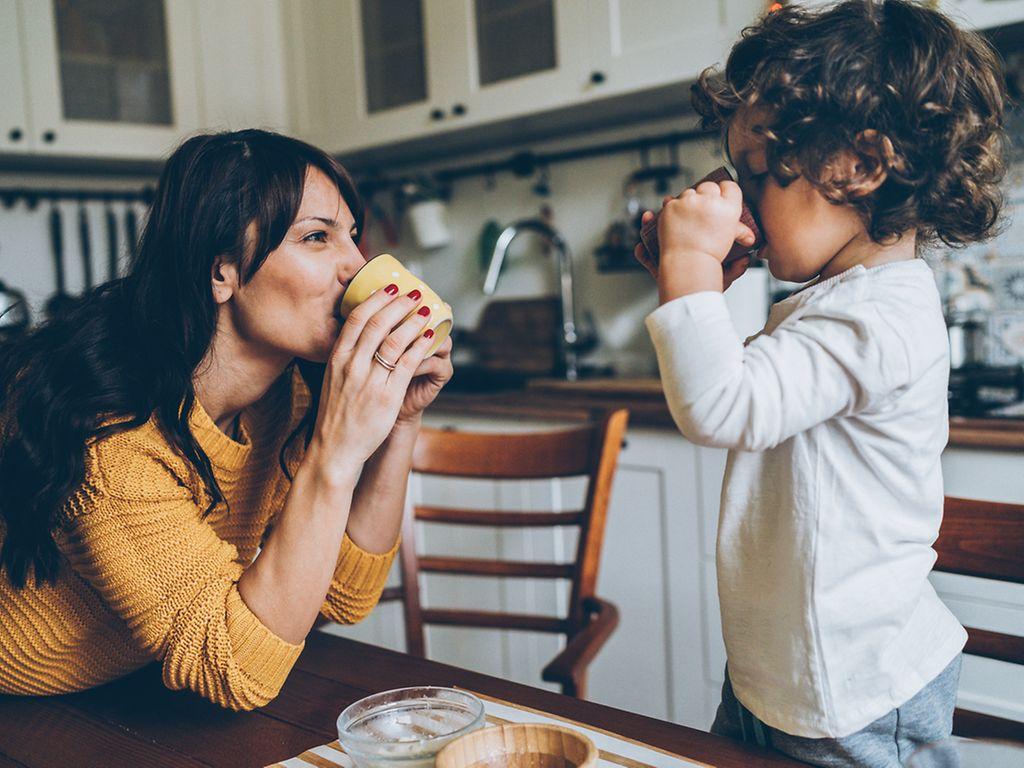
(391, 290)
(428, 334)
(424, 311)
(414, 294)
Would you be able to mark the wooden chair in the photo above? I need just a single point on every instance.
(985, 539)
(591, 450)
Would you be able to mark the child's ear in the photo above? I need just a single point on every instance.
(224, 279)
(867, 166)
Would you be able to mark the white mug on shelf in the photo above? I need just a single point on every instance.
(429, 227)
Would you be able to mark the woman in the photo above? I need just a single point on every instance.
(209, 404)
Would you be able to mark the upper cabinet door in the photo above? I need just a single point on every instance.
(112, 78)
(518, 57)
(982, 14)
(648, 43)
(15, 132)
(368, 72)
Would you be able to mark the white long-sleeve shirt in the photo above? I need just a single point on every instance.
(836, 417)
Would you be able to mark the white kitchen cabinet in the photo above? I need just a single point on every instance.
(108, 79)
(374, 72)
(14, 124)
(241, 65)
(648, 43)
(973, 14)
(360, 80)
(983, 14)
(521, 57)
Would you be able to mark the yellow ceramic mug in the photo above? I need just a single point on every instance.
(379, 272)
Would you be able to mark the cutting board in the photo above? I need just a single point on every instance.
(519, 335)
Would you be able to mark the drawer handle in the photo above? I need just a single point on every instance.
(437, 114)
(459, 110)
(15, 134)
(49, 137)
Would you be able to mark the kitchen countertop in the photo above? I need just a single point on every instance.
(578, 401)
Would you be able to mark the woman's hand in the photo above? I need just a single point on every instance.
(361, 397)
(432, 374)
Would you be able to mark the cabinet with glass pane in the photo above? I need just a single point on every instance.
(108, 78)
(372, 72)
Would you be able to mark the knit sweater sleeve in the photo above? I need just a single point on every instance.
(359, 579)
(136, 534)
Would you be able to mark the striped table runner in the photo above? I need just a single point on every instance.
(615, 751)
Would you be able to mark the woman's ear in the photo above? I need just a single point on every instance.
(224, 279)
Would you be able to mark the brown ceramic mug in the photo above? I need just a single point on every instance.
(649, 232)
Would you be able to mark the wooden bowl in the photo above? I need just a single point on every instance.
(519, 745)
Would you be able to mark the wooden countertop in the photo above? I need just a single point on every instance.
(578, 401)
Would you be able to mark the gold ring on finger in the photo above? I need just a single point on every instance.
(382, 361)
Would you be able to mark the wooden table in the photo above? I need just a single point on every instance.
(137, 722)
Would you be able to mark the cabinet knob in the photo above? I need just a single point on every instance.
(437, 114)
(15, 134)
(597, 77)
(459, 110)
(49, 137)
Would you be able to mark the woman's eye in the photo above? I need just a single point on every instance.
(315, 237)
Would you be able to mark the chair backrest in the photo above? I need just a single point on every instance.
(985, 539)
(589, 450)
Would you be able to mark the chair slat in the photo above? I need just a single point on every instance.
(473, 567)
(392, 593)
(564, 453)
(490, 619)
(983, 539)
(975, 725)
(995, 645)
(504, 519)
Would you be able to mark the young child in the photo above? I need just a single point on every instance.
(859, 133)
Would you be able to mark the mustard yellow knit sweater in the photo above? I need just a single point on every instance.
(149, 577)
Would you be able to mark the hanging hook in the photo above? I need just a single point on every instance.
(542, 187)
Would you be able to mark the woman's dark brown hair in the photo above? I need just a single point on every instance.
(829, 79)
(128, 348)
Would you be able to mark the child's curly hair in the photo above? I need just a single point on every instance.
(900, 86)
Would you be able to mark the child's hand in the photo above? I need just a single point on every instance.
(696, 231)
(703, 222)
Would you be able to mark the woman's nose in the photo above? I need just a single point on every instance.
(350, 261)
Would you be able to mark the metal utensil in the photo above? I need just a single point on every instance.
(60, 300)
(85, 243)
(131, 226)
(113, 272)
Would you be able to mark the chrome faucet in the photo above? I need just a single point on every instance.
(571, 341)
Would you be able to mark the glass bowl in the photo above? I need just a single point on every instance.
(407, 727)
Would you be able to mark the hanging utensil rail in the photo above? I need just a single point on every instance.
(32, 196)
